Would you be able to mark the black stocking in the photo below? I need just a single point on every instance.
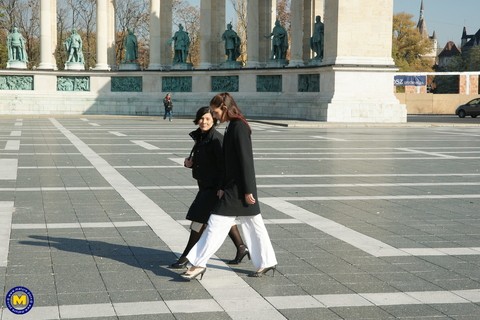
(192, 240)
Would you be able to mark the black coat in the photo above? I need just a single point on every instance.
(207, 157)
(239, 172)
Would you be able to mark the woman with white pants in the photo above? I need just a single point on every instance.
(237, 199)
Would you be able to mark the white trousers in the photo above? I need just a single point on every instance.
(255, 236)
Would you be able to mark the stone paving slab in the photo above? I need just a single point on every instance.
(367, 221)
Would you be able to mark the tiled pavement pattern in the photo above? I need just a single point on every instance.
(367, 223)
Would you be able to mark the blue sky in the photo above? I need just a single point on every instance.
(446, 17)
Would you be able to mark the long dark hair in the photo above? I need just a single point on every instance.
(232, 110)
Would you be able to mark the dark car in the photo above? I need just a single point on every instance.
(471, 108)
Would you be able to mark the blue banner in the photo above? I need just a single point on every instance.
(418, 81)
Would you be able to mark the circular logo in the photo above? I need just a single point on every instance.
(19, 300)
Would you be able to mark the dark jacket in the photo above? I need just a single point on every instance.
(239, 172)
(168, 104)
(207, 157)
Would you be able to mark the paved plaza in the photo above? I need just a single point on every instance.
(368, 222)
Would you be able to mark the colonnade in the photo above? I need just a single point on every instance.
(261, 16)
(355, 77)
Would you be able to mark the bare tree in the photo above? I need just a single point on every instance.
(63, 25)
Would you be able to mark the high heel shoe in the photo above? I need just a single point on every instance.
(194, 274)
(261, 272)
(180, 264)
(241, 253)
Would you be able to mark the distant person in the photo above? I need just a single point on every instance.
(168, 105)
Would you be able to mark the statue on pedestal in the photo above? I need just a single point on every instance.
(232, 43)
(17, 54)
(16, 46)
(316, 41)
(131, 53)
(74, 46)
(131, 47)
(279, 42)
(181, 45)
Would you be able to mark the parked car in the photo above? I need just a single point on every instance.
(471, 108)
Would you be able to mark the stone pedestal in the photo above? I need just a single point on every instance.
(230, 65)
(315, 62)
(129, 66)
(16, 65)
(75, 66)
(182, 66)
(279, 63)
(361, 94)
(358, 85)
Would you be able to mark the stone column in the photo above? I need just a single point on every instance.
(46, 51)
(318, 8)
(358, 85)
(297, 18)
(111, 53)
(212, 25)
(253, 34)
(307, 30)
(349, 34)
(218, 27)
(267, 15)
(155, 42)
(259, 26)
(166, 8)
(206, 30)
(102, 32)
(53, 26)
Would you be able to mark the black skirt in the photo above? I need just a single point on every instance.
(203, 205)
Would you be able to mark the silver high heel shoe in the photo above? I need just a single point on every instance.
(261, 272)
(194, 274)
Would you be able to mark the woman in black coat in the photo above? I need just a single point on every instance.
(237, 197)
(206, 162)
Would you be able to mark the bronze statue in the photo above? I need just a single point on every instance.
(16, 46)
(74, 45)
(181, 45)
(131, 47)
(316, 41)
(232, 43)
(279, 42)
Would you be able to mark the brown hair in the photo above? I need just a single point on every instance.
(232, 110)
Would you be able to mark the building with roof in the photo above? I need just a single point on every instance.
(449, 52)
(469, 41)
